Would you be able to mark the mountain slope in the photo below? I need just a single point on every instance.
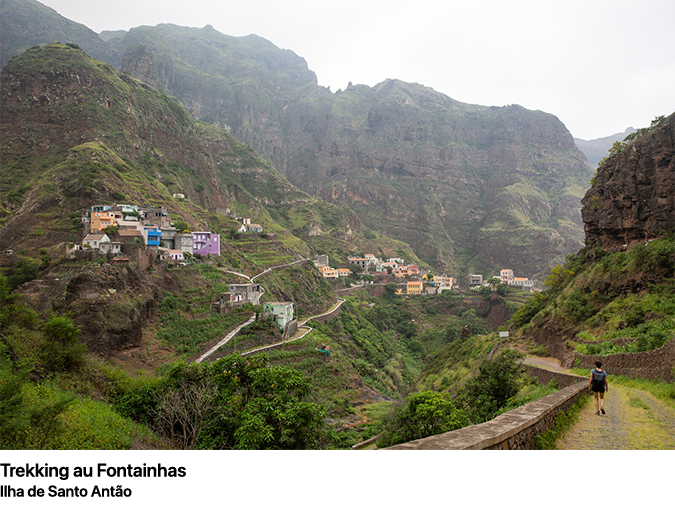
(24, 23)
(470, 188)
(596, 149)
(78, 133)
(411, 162)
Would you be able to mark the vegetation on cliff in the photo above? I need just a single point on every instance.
(400, 155)
(601, 297)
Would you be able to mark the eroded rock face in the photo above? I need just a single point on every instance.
(450, 179)
(633, 196)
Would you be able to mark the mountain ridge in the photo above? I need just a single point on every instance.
(413, 163)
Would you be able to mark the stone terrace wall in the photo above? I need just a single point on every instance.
(325, 318)
(514, 430)
(655, 364)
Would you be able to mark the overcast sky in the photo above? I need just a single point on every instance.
(600, 66)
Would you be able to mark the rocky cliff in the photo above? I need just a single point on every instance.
(632, 198)
(469, 187)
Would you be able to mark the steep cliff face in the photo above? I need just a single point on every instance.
(413, 163)
(469, 187)
(633, 194)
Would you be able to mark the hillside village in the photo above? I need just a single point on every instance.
(413, 281)
(114, 229)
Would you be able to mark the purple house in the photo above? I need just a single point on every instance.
(204, 243)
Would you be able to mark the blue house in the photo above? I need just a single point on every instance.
(152, 236)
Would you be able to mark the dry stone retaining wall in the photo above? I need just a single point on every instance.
(514, 430)
(325, 318)
(655, 364)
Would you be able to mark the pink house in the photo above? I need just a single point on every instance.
(205, 243)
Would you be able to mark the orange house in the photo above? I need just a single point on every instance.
(101, 220)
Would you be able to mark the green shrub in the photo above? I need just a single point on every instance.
(421, 415)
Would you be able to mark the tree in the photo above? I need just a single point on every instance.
(111, 231)
(421, 415)
(390, 290)
(559, 277)
(233, 403)
(13, 420)
(24, 271)
(61, 350)
(181, 226)
(494, 282)
(498, 380)
(185, 411)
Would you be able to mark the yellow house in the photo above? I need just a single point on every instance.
(414, 288)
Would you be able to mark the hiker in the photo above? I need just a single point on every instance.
(598, 385)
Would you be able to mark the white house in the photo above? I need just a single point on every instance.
(93, 240)
(176, 254)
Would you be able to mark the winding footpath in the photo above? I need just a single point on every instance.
(234, 332)
(635, 419)
(302, 324)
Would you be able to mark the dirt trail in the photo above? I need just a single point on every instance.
(635, 420)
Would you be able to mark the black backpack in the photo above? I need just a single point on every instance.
(598, 378)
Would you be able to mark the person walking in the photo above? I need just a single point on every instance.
(598, 385)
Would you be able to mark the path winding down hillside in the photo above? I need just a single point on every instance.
(635, 420)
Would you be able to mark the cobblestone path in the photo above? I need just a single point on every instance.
(635, 420)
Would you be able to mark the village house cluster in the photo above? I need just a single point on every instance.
(247, 227)
(396, 266)
(239, 294)
(137, 225)
(430, 284)
(506, 276)
(322, 264)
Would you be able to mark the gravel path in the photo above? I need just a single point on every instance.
(635, 420)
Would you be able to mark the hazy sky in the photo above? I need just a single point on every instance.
(599, 65)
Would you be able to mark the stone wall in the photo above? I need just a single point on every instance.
(290, 329)
(514, 430)
(655, 364)
(543, 376)
(325, 318)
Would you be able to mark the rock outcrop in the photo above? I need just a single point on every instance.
(633, 195)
